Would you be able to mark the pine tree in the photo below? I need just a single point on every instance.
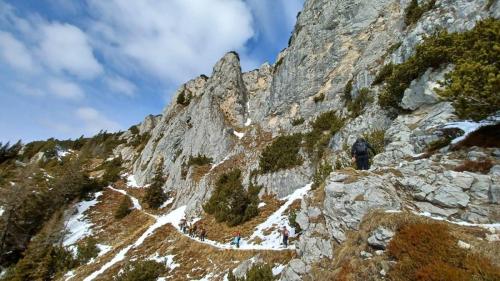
(124, 208)
(155, 196)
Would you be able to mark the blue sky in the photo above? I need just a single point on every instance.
(71, 68)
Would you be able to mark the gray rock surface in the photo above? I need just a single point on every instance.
(380, 237)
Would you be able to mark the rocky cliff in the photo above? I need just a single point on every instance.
(430, 165)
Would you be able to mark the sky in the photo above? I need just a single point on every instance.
(71, 68)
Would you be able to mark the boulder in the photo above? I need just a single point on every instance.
(380, 237)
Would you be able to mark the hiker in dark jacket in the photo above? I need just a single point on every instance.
(359, 153)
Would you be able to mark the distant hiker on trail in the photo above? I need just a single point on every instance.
(193, 230)
(285, 234)
(203, 233)
(182, 225)
(359, 153)
(236, 239)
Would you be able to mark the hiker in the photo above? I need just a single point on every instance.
(359, 153)
(236, 239)
(203, 233)
(285, 233)
(182, 225)
(193, 232)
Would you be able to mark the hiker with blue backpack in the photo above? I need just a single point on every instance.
(236, 239)
(359, 153)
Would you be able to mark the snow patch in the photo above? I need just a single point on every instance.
(131, 182)
(167, 202)
(261, 204)
(277, 220)
(78, 225)
(168, 260)
(470, 126)
(238, 134)
(207, 277)
(103, 249)
(70, 274)
(217, 164)
(278, 269)
(248, 122)
(1, 211)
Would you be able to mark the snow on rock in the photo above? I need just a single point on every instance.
(261, 204)
(78, 225)
(238, 134)
(217, 164)
(167, 202)
(135, 201)
(248, 122)
(131, 182)
(278, 269)
(470, 126)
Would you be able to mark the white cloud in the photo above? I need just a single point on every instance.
(94, 121)
(64, 47)
(173, 40)
(120, 85)
(15, 53)
(65, 89)
(27, 90)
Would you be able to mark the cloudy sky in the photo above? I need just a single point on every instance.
(69, 68)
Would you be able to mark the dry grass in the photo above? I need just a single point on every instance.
(487, 136)
(200, 171)
(482, 167)
(347, 263)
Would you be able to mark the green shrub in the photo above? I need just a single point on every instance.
(320, 175)
(324, 127)
(155, 196)
(140, 141)
(282, 154)
(298, 121)
(319, 98)
(358, 104)
(230, 202)
(414, 11)
(199, 160)
(347, 92)
(489, 4)
(292, 219)
(376, 139)
(134, 130)
(261, 272)
(112, 170)
(384, 72)
(472, 86)
(124, 208)
(87, 250)
(145, 270)
(183, 98)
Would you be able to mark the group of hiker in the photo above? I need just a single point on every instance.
(192, 229)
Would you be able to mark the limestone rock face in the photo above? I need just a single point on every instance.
(232, 116)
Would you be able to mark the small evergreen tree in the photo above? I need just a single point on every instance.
(155, 196)
(230, 202)
(87, 250)
(124, 208)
